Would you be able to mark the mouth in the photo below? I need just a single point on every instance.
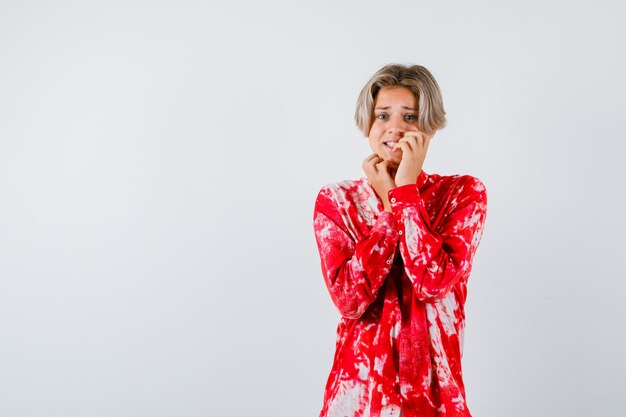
(391, 145)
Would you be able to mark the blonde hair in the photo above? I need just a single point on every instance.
(430, 117)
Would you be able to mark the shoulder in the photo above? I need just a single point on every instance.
(341, 190)
(463, 182)
(472, 191)
(464, 188)
(472, 185)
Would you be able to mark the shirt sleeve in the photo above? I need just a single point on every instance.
(435, 260)
(354, 270)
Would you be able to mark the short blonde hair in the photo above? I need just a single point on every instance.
(430, 117)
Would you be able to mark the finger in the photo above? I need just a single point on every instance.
(375, 161)
(383, 168)
(418, 135)
(412, 133)
(405, 145)
(369, 157)
(415, 140)
(370, 167)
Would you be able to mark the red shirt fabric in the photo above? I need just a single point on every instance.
(399, 281)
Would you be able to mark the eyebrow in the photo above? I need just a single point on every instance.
(385, 108)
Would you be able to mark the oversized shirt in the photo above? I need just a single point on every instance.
(399, 281)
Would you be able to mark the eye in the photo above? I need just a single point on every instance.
(410, 117)
(382, 116)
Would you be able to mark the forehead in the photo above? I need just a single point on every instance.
(388, 96)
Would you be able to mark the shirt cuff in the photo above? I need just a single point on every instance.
(404, 195)
(407, 196)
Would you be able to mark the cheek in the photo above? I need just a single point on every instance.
(372, 143)
(375, 132)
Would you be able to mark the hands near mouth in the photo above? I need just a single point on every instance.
(414, 146)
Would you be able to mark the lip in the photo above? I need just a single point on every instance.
(390, 148)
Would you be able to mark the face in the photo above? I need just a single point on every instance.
(395, 112)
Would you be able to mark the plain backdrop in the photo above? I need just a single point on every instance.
(159, 163)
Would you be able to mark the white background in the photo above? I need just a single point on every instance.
(158, 167)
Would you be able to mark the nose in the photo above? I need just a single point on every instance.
(398, 125)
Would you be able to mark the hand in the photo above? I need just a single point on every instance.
(377, 172)
(414, 145)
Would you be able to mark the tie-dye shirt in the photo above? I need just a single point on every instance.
(399, 281)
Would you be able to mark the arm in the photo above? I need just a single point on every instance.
(436, 260)
(353, 270)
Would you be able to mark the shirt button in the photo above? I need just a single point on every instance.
(393, 199)
(390, 261)
(400, 232)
